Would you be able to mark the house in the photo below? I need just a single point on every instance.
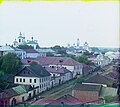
(58, 75)
(86, 70)
(44, 51)
(18, 94)
(36, 76)
(112, 55)
(102, 60)
(20, 53)
(87, 93)
(99, 79)
(6, 49)
(69, 63)
(10, 49)
(31, 53)
(113, 75)
(63, 100)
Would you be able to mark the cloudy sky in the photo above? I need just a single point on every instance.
(60, 23)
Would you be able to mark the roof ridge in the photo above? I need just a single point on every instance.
(31, 67)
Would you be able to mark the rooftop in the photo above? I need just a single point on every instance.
(58, 61)
(98, 78)
(34, 71)
(86, 87)
(59, 70)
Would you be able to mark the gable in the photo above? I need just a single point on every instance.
(33, 71)
(26, 72)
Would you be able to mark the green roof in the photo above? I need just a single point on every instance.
(19, 89)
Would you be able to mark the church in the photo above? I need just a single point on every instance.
(21, 41)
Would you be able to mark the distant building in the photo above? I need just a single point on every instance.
(6, 49)
(44, 51)
(10, 49)
(78, 50)
(86, 47)
(31, 53)
(102, 60)
(21, 41)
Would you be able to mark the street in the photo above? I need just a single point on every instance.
(66, 88)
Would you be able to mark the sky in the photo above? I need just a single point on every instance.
(60, 23)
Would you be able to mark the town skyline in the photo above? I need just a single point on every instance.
(61, 23)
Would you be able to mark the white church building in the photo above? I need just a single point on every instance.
(21, 41)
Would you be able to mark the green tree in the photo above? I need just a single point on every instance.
(10, 63)
(33, 63)
(49, 54)
(25, 47)
(82, 59)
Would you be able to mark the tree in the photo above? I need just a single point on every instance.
(82, 59)
(33, 63)
(10, 63)
(25, 47)
(49, 54)
(60, 50)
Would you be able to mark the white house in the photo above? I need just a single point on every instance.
(6, 49)
(9, 49)
(112, 55)
(58, 75)
(31, 53)
(102, 60)
(44, 51)
(20, 53)
(35, 76)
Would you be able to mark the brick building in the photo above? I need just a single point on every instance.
(87, 93)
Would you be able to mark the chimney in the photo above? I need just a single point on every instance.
(65, 96)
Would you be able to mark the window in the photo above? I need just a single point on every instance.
(23, 80)
(28, 72)
(30, 80)
(29, 95)
(40, 86)
(16, 79)
(44, 84)
(19, 40)
(24, 72)
(20, 79)
(34, 80)
(40, 80)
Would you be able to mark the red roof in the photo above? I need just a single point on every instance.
(57, 70)
(67, 100)
(58, 61)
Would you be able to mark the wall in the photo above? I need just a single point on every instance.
(32, 55)
(42, 82)
(86, 95)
